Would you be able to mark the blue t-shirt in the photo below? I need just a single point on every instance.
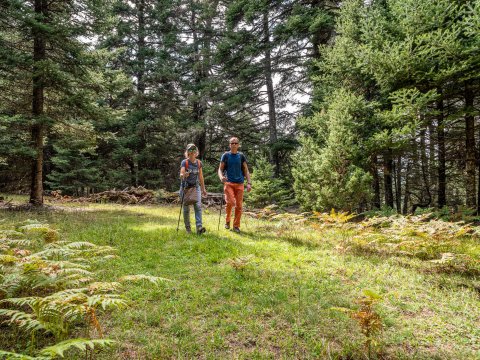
(193, 169)
(233, 165)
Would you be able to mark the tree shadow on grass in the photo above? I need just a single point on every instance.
(96, 214)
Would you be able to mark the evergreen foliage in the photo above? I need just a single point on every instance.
(412, 63)
(332, 175)
(75, 169)
(385, 93)
(268, 189)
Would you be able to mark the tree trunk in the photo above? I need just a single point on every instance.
(426, 201)
(38, 129)
(141, 52)
(202, 65)
(442, 181)
(406, 198)
(387, 177)
(376, 183)
(398, 185)
(432, 167)
(272, 120)
(141, 87)
(470, 156)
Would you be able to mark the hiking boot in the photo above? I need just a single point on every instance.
(236, 229)
(188, 230)
(227, 226)
(201, 230)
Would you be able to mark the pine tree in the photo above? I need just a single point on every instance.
(268, 51)
(335, 175)
(414, 62)
(75, 170)
(57, 77)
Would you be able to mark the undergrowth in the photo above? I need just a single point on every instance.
(271, 291)
(48, 292)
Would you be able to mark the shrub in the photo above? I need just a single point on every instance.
(266, 189)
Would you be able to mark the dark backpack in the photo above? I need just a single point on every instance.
(242, 160)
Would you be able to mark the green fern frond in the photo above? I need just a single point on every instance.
(79, 298)
(80, 245)
(9, 234)
(55, 253)
(10, 282)
(81, 344)
(64, 264)
(15, 356)
(73, 280)
(31, 301)
(63, 294)
(8, 259)
(103, 287)
(19, 242)
(22, 319)
(75, 312)
(141, 277)
(75, 271)
(34, 228)
(106, 301)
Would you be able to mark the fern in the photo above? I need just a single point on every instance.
(10, 234)
(59, 349)
(14, 356)
(35, 228)
(106, 301)
(8, 259)
(103, 287)
(22, 319)
(58, 253)
(81, 344)
(22, 243)
(141, 277)
(80, 245)
(58, 274)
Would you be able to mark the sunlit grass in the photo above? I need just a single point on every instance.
(267, 293)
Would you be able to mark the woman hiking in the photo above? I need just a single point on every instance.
(192, 180)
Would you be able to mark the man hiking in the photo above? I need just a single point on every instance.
(232, 172)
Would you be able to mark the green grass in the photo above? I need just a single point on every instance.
(277, 302)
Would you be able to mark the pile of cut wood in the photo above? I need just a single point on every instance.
(136, 195)
(131, 195)
(167, 197)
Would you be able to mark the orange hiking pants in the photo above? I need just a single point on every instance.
(233, 197)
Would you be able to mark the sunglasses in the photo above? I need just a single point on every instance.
(191, 150)
(233, 143)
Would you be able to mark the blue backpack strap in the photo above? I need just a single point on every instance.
(242, 158)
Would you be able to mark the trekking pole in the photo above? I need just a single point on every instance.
(220, 214)
(245, 217)
(182, 188)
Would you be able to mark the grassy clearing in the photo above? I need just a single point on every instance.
(268, 293)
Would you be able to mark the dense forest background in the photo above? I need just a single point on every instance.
(351, 105)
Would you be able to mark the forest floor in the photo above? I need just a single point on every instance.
(277, 290)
